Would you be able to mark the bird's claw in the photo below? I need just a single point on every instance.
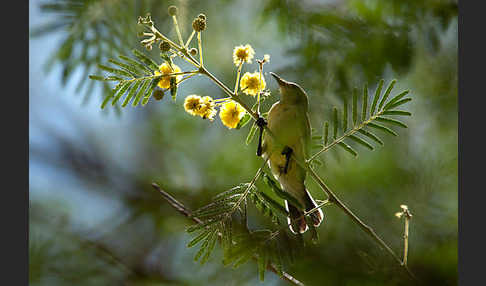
(261, 122)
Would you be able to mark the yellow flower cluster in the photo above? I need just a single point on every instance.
(166, 69)
(231, 113)
(243, 54)
(251, 84)
(200, 106)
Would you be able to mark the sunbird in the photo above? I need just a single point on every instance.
(288, 120)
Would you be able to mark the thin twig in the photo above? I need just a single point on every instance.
(408, 215)
(188, 213)
(405, 242)
(200, 49)
(178, 31)
(190, 38)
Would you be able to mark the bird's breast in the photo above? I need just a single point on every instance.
(285, 123)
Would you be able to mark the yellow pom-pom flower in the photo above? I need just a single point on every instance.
(231, 113)
(250, 83)
(200, 106)
(206, 108)
(165, 69)
(243, 54)
(192, 103)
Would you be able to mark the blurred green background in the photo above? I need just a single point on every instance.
(94, 217)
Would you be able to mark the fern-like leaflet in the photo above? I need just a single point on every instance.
(217, 221)
(136, 79)
(376, 119)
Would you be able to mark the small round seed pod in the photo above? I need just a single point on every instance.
(193, 52)
(158, 94)
(164, 46)
(199, 24)
(172, 10)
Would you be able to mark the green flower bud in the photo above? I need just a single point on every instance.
(172, 10)
(158, 94)
(164, 46)
(199, 24)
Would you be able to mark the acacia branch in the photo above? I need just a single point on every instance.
(188, 213)
(300, 161)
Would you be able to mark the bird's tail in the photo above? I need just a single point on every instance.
(296, 219)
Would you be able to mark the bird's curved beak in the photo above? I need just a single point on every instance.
(281, 82)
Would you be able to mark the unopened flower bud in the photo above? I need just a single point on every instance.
(158, 94)
(199, 24)
(172, 10)
(164, 46)
(193, 51)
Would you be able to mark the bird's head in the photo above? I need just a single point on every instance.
(290, 92)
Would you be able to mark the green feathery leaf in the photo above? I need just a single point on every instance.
(361, 141)
(279, 192)
(131, 93)
(355, 106)
(121, 92)
(128, 68)
(382, 128)
(244, 120)
(198, 238)
(136, 64)
(146, 60)
(365, 102)
(141, 92)
(398, 103)
(335, 122)
(210, 247)
(326, 132)
(395, 99)
(96, 77)
(115, 71)
(345, 115)
(391, 121)
(387, 93)
(235, 190)
(396, 112)
(251, 133)
(371, 136)
(148, 92)
(262, 263)
(377, 96)
(205, 245)
(348, 148)
(200, 226)
(110, 95)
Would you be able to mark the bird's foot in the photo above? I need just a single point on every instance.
(261, 123)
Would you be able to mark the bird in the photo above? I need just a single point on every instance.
(289, 125)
